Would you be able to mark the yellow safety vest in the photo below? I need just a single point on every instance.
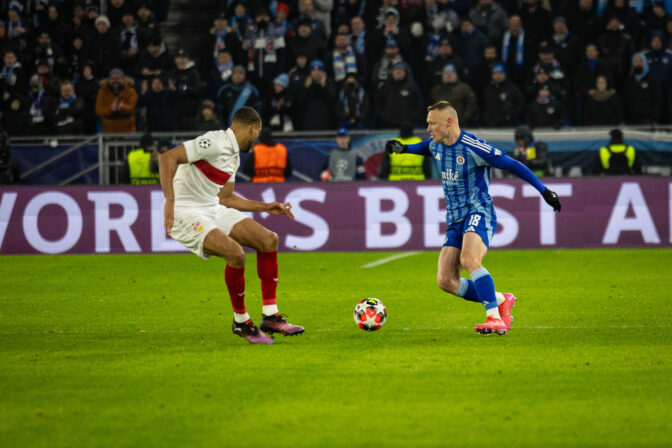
(407, 166)
(138, 168)
(607, 151)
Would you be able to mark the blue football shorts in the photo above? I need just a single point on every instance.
(483, 224)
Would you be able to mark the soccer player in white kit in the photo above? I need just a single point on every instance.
(202, 212)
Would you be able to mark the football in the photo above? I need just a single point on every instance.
(325, 176)
(370, 314)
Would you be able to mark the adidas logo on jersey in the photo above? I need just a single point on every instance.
(470, 229)
(437, 156)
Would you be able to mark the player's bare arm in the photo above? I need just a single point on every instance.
(229, 199)
(168, 162)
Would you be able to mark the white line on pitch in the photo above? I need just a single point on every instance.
(388, 259)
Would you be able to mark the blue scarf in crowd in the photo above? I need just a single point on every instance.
(344, 66)
(519, 47)
(65, 104)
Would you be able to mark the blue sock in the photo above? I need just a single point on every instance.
(468, 291)
(485, 287)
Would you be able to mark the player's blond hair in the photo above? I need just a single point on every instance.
(444, 105)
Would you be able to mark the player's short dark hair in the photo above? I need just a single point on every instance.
(246, 115)
(439, 105)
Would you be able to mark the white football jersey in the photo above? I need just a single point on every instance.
(214, 158)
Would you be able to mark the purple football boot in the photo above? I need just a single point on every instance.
(250, 332)
(277, 324)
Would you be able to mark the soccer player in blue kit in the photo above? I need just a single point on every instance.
(464, 162)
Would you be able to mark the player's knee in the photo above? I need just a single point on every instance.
(470, 262)
(270, 243)
(236, 260)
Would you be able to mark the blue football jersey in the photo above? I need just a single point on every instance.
(465, 175)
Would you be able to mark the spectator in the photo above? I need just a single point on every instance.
(657, 17)
(542, 78)
(133, 40)
(391, 29)
(68, 117)
(159, 103)
(266, 59)
(115, 11)
(545, 110)
(78, 53)
(50, 82)
(5, 42)
(104, 47)
(400, 93)
(284, 27)
(629, 18)
(16, 27)
(116, 103)
(566, 46)
(278, 111)
(587, 72)
(517, 51)
(160, 8)
(188, 91)
(315, 100)
(207, 120)
(54, 27)
(643, 95)
(41, 107)
(660, 64)
(470, 44)
(268, 161)
(484, 77)
(88, 26)
(155, 60)
(235, 94)
(146, 20)
(223, 38)
(537, 20)
(317, 12)
(556, 75)
(44, 50)
(359, 40)
(344, 165)
(344, 60)
(12, 77)
(531, 153)
(584, 21)
(306, 42)
(86, 88)
(297, 79)
(490, 19)
(604, 106)
(616, 47)
(457, 93)
(240, 21)
(617, 158)
(445, 57)
(383, 68)
(405, 166)
(220, 73)
(354, 106)
(503, 103)
(143, 163)
(16, 119)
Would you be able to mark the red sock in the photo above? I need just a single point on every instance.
(235, 283)
(267, 269)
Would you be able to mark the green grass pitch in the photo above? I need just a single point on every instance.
(137, 351)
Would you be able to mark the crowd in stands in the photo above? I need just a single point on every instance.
(71, 67)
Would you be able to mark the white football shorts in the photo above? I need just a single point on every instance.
(191, 225)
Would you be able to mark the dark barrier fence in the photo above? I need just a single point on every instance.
(597, 212)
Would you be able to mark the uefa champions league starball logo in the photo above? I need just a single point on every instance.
(204, 143)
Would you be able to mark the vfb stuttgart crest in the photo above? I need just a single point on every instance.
(460, 160)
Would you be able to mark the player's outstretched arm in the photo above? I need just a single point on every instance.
(168, 162)
(505, 162)
(229, 199)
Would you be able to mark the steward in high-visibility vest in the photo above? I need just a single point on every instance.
(405, 166)
(142, 170)
(617, 158)
(268, 161)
